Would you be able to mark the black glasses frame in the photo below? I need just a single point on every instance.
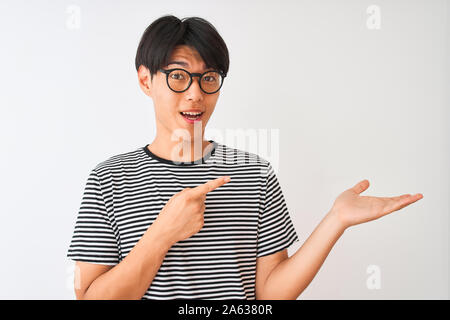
(191, 75)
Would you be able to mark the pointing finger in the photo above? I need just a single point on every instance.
(211, 185)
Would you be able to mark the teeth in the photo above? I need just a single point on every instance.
(192, 113)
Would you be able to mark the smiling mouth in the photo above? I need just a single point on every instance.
(191, 117)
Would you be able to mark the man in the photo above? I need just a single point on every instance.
(188, 218)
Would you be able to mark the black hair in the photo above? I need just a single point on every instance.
(164, 34)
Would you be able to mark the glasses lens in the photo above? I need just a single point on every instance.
(211, 81)
(178, 80)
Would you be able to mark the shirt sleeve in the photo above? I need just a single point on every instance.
(93, 239)
(275, 229)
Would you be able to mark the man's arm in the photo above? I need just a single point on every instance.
(130, 278)
(264, 266)
(291, 276)
(180, 218)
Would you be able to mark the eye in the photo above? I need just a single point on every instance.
(209, 78)
(177, 75)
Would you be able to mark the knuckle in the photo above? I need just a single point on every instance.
(188, 195)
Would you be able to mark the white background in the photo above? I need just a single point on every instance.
(350, 103)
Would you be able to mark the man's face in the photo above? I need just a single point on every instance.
(169, 104)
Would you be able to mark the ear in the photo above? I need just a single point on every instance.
(144, 80)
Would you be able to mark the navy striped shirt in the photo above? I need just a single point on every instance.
(244, 219)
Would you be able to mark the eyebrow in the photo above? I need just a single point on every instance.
(185, 64)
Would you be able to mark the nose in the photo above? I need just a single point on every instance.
(194, 92)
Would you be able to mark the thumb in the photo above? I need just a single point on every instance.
(361, 186)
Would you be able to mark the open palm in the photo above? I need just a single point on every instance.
(352, 208)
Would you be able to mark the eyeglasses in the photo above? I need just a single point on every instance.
(179, 80)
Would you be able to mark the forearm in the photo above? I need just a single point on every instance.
(131, 278)
(289, 278)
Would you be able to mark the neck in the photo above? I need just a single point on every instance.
(181, 150)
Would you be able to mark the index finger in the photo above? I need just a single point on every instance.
(211, 185)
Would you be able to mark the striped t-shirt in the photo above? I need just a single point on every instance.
(244, 219)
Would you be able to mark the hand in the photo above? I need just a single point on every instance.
(182, 216)
(351, 208)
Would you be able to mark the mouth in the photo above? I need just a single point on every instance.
(190, 117)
